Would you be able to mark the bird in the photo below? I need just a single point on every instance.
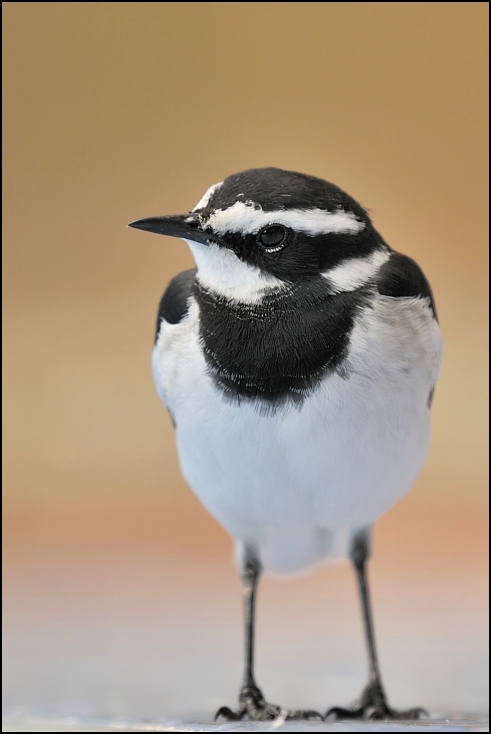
(298, 362)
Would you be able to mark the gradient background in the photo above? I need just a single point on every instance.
(120, 593)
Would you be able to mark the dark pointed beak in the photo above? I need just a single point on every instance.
(185, 226)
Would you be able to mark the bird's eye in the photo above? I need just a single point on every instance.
(272, 237)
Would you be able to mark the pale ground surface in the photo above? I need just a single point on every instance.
(138, 634)
(106, 663)
(33, 724)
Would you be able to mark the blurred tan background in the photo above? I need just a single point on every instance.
(119, 588)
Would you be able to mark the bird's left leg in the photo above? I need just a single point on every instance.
(251, 700)
(373, 700)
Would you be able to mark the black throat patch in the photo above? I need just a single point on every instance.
(277, 351)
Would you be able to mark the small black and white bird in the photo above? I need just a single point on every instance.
(298, 361)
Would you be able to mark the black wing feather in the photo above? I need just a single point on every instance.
(174, 303)
(401, 277)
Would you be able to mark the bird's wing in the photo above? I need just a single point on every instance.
(401, 277)
(173, 305)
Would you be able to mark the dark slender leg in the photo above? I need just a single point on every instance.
(251, 699)
(374, 694)
(250, 578)
(373, 701)
(359, 556)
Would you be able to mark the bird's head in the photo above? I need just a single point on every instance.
(265, 229)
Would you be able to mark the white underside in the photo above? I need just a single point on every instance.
(298, 483)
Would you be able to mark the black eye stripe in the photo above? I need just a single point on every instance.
(272, 237)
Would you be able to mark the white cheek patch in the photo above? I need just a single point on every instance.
(205, 199)
(221, 271)
(244, 219)
(351, 274)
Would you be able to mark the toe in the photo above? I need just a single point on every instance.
(410, 714)
(337, 712)
(305, 715)
(268, 713)
(225, 713)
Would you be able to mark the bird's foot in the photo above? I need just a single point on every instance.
(253, 706)
(373, 705)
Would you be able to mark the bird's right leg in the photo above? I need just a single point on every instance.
(251, 699)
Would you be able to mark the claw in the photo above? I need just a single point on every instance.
(305, 715)
(341, 713)
(373, 706)
(225, 713)
(414, 713)
(373, 713)
(253, 705)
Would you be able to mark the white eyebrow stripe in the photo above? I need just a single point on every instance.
(243, 218)
(353, 273)
(205, 199)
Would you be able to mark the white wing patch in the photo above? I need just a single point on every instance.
(221, 271)
(398, 341)
(244, 219)
(351, 274)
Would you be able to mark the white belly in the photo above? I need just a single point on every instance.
(290, 481)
